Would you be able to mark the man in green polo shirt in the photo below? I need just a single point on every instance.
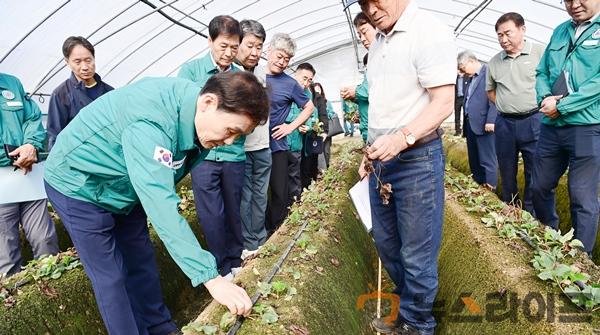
(118, 161)
(218, 181)
(568, 90)
(511, 86)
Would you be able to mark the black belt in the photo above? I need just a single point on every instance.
(520, 116)
(428, 138)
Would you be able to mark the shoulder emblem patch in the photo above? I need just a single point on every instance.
(163, 156)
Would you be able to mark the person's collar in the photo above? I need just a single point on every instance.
(4, 81)
(527, 47)
(405, 20)
(216, 66)
(187, 127)
(478, 72)
(80, 84)
(591, 20)
(242, 66)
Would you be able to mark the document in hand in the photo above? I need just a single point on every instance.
(561, 85)
(359, 194)
(18, 187)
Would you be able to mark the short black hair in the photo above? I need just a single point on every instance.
(366, 59)
(306, 66)
(360, 19)
(240, 92)
(73, 41)
(224, 25)
(511, 16)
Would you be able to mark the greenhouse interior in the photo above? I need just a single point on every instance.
(300, 167)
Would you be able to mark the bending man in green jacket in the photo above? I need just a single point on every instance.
(119, 161)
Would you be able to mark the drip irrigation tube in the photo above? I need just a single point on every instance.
(270, 276)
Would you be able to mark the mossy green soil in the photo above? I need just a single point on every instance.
(67, 305)
(332, 265)
(456, 155)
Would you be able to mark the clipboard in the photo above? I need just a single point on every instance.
(18, 187)
(359, 193)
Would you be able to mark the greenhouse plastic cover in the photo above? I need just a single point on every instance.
(133, 40)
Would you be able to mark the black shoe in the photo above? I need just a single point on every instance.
(405, 329)
(397, 327)
(381, 326)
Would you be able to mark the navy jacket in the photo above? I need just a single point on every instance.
(478, 106)
(66, 102)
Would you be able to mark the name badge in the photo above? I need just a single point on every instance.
(590, 42)
(14, 104)
(8, 95)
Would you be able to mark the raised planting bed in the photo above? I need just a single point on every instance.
(456, 154)
(330, 266)
(500, 273)
(493, 281)
(66, 305)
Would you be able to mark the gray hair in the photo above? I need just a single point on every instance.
(283, 42)
(253, 27)
(465, 56)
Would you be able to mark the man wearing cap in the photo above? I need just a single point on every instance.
(412, 70)
(21, 127)
(570, 131)
(511, 86)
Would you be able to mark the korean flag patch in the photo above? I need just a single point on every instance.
(163, 156)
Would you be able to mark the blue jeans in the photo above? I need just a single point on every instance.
(578, 149)
(408, 231)
(118, 257)
(217, 190)
(348, 127)
(514, 136)
(254, 198)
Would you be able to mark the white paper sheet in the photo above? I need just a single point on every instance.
(360, 197)
(17, 187)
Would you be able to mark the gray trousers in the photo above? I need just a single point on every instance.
(324, 157)
(254, 198)
(38, 227)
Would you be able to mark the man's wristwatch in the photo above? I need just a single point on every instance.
(410, 138)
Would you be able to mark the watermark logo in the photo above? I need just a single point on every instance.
(493, 307)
